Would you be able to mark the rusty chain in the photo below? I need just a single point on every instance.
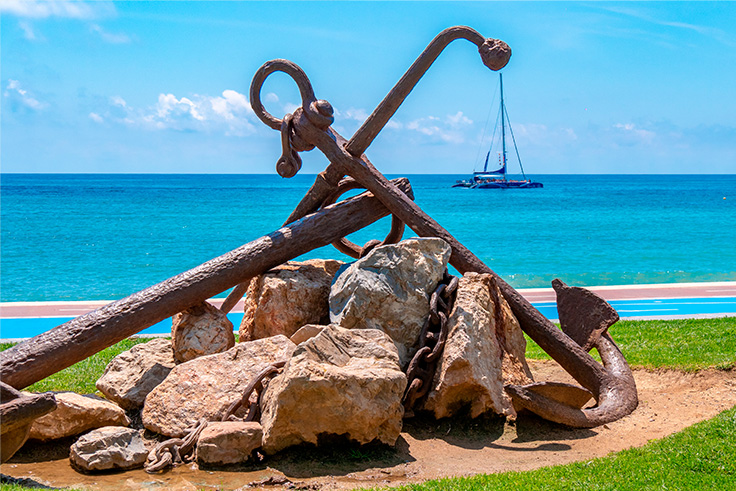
(174, 451)
(422, 367)
(258, 385)
(177, 451)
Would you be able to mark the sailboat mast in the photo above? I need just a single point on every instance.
(503, 127)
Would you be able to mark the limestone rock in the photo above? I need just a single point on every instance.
(484, 351)
(131, 375)
(111, 447)
(287, 297)
(206, 386)
(75, 414)
(306, 332)
(228, 442)
(389, 289)
(340, 382)
(201, 330)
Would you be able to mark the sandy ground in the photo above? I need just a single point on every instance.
(669, 402)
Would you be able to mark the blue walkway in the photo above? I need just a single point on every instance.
(650, 308)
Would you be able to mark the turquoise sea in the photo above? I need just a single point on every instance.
(102, 237)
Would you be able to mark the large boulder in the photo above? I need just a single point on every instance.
(75, 414)
(484, 351)
(206, 386)
(109, 448)
(341, 382)
(389, 289)
(228, 442)
(131, 375)
(286, 298)
(201, 330)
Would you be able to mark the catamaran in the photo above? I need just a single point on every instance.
(497, 179)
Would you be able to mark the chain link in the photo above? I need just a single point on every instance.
(432, 339)
(177, 451)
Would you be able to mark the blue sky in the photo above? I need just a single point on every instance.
(593, 87)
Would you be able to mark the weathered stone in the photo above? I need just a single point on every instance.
(108, 448)
(484, 351)
(340, 382)
(287, 297)
(389, 289)
(131, 375)
(75, 414)
(228, 442)
(201, 330)
(306, 332)
(206, 386)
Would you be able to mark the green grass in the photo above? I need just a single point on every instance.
(684, 344)
(700, 457)
(81, 377)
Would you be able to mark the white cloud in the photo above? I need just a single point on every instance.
(271, 97)
(72, 9)
(96, 117)
(628, 134)
(231, 103)
(15, 92)
(28, 31)
(459, 119)
(289, 108)
(229, 113)
(118, 101)
(353, 114)
(448, 129)
(109, 37)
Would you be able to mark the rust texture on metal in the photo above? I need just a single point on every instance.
(257, 385)
(64, 345)
(587, 317)
(422, 367)
(174, 451)
(309, 127)
(584, 316)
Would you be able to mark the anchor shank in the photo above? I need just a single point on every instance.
(362, 138)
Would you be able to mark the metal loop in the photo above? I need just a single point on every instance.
(440, 346)
(451, 287)
(295, 72)
(290, 162)
(349, 248)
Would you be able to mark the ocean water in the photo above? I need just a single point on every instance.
(103, 237)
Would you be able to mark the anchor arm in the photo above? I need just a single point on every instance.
(495, 54)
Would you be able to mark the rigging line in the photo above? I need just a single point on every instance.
(493, 138)
(488, 118)
(511, 130)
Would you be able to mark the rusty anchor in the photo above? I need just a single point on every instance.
(310, 226)
(309, 127)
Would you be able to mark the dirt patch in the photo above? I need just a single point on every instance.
(427, 449)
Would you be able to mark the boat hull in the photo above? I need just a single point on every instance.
(509, 185)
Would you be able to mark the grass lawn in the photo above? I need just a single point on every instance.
(683, 344)
(700, 457)
(82, 376)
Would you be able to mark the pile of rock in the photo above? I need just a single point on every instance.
(344, 335)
